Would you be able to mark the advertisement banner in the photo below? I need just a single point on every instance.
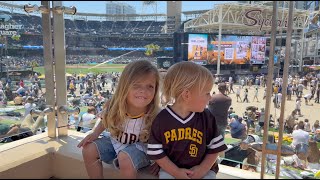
(258, 50)
(198, 47)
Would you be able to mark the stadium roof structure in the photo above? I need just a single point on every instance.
(194, 12)
(251, 19)
(79, 15)
(3, 4)
(117, 16)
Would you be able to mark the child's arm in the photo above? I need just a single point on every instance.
(202, 169)
(168, 166)
(92, 136)
(97, 131)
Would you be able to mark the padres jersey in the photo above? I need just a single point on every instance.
(185, 141)
(132, 128)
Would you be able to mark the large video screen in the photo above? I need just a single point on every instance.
(203, 49)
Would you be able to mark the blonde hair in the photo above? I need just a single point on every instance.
(117, 108)
(184, 75)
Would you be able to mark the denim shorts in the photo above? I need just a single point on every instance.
(108, 155)
(164, 175)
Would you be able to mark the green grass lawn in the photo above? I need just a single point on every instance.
(84, 109)
(9, 122)
(231, 140)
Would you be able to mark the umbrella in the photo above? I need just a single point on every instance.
(68, 75)
(42, 76)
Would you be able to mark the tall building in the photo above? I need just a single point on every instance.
(119, 8)
(173, 16)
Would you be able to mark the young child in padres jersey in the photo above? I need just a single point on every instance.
(184, 139)
(129, 116)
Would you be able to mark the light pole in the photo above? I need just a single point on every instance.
(1, 58)
(56, 11)
(6, 54)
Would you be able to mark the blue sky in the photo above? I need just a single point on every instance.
(99, 6)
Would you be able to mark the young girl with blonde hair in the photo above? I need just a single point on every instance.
(128, 117)
(184, 139)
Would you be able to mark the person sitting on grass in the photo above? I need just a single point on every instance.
(237, 128)
(28, 127)
(316, 136)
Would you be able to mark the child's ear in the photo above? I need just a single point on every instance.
(186, 94)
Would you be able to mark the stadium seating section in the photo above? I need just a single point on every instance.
(87, 41)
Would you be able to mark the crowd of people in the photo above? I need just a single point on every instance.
(241, 124)
(25, 62)
(307, 87)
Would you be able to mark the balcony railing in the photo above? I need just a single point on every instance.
(42, 157)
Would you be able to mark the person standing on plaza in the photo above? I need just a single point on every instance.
(317, 99)
(250, 82)
(255, 94)
(279, 98)
(246, 92)
(294, 89)
(313, 90)
(238, 90)
(262, 80)
(230, 79)
(227, 88)
(275, 90)
(231, 87)
(298, 106)
(261, 118)
(300, 88)
(242, 82)
(265, 93)
(289, 92)
(219, 106)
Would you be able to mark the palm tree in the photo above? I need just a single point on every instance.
(151, 49)
(15, 37)
(33, 64)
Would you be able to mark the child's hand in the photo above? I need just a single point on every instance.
(183, 174)
(198, 172)
(88, 139)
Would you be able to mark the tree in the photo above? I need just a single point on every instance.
(33, 64)
(151, 49)
(15, 37)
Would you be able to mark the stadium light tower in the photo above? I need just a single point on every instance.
(152, 4)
